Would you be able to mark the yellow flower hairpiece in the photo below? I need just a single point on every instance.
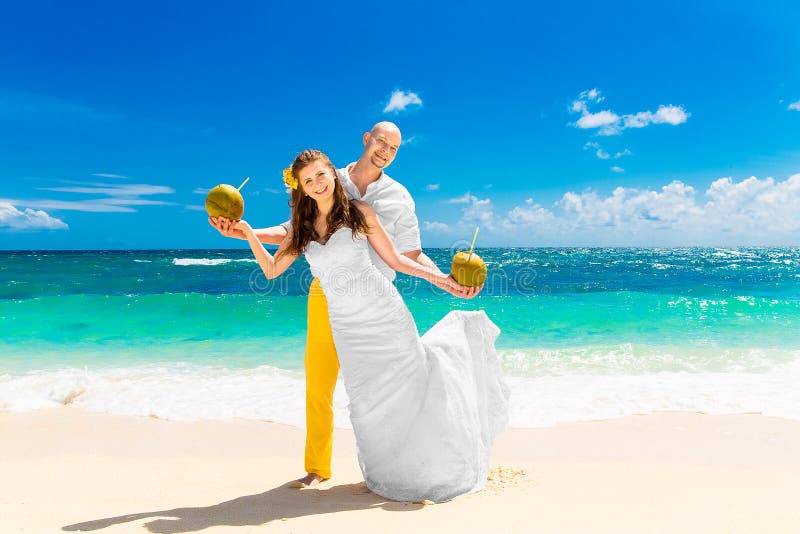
(289, 179)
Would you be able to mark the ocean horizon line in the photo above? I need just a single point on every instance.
(505, 247)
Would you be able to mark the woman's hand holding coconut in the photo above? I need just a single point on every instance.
(226, 227)
(452, 286)
(225, 206)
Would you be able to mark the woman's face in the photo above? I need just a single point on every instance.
(317, 180)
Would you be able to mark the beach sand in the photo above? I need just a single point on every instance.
(66, 469)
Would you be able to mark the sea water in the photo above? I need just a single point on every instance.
(586, 333)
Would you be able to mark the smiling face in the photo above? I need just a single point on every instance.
(317, 180)
(381, 144)
(319, 204)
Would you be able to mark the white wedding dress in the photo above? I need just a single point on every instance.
(424, 410)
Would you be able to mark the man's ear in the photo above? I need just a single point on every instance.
(366, 138)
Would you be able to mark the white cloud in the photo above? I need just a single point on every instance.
(638, 120)
(201, 191)
(124, 190)
(72, 205)
(409, 140)
(108, 175)
(432, 187)
(134, 202)
(751, 211)
(29, 219)
(727, 212)
(463, 199)
(477, 210)
(578, 106)
(401, 100)
(533, 215)
(435, 226)
(762, 205)
(617, 168)
(602, 154)
(599, 152)
(627, 206)
(590, 95)
(195, 208)
(114, 198)
(610, 123)
(795, 106)
(601, 119)
(673, 115)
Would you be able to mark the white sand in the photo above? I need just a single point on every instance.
(65, 469)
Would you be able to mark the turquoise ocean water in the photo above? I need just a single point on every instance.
(586, 333)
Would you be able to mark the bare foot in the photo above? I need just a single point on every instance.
(308, 481)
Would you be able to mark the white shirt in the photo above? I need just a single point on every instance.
(395, 210)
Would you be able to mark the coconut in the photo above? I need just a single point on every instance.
(225, 201)
(468, 269)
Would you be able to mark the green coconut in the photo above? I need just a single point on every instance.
(225, 201)
(468, 269)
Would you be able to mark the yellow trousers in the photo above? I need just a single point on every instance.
(322, 368)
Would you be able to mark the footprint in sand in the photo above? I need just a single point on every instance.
(504, 477)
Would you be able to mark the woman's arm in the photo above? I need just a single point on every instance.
(421, 258)
(382, 243)
(269, 265)
(271, 236)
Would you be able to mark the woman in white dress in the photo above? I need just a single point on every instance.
(424, 411)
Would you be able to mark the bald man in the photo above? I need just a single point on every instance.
(362, 180)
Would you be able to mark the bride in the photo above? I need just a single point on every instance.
(424, 411)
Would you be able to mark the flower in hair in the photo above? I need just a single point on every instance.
(289, 179)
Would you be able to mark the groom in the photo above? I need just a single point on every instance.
(362, 180)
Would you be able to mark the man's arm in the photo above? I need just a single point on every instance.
(270, 236)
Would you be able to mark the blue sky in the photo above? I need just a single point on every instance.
(599, 124)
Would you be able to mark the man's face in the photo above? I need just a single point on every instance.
(381, 147)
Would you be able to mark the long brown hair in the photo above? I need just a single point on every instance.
(305, 211)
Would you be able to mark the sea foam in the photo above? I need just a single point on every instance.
(171, 391)
(209, 261)
(200, 261)
(196, 392)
